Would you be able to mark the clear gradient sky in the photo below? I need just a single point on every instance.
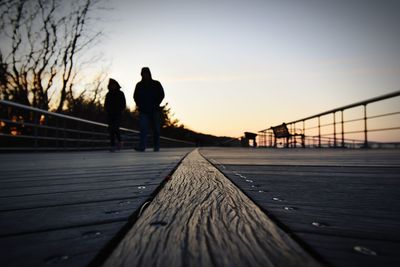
(244, 65)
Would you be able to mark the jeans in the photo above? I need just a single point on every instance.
(113, 128)
(147, 120)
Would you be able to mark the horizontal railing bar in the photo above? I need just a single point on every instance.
(65, 139)
(56, 138)
(52, 127)
(384, 115)
(362, 131)
(8, 149)
(348, 121)
(53, 113)
(361, 103)
(310, 128)
(384, 129)
(325, 125)
(5, 102)
(51, 148)
(354, 120)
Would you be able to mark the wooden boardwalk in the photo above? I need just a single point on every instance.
(344, 205)
(64, 208)
(281, 207)
(202, 219)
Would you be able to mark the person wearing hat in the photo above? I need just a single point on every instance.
(148, 96)
(114, 105)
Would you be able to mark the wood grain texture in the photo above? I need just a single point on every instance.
(67, 247)
(352, 194)
(60, 217)
(200, 218)
(64, 208)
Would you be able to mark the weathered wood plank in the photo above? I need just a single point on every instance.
(338, 222)
(200, 218)
(76, 176)
(59, 217)
(340, 251)
(352, 194)
(68, 247)
(301, 156)
(63, 208)
(52, 189)
(89, 160)
(77, 197)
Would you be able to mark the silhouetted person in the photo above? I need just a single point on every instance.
(148, 96)
(114, 105)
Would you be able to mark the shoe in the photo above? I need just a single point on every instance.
(139, 149)
(156, 149)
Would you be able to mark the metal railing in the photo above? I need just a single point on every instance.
(331, 129)
(26, 128)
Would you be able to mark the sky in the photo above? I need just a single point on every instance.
(245, 65)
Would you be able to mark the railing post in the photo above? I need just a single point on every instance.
(342, 123)
(365, 127)
(304, 133)
(57, 135)
(265, 138)
(294, 144)
(319, 131)
(64, 136)
(46, 121)
(79, 136)
(334, 130)
(35, 131)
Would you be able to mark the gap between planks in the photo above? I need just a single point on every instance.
(200, 218)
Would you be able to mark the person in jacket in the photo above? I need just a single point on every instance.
(148, 96)
(114, 105)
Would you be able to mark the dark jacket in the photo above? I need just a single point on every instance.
(148, 95)
(115, 102)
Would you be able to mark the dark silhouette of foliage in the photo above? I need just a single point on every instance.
(43, 42)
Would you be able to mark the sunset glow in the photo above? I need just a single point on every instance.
(234, 66)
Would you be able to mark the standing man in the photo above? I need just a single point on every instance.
(114, 105)
(148, 96)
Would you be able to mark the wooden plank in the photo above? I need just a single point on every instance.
(29, 162)
(59, 217)
(123, 194)
(73, 176)
(323, 171)
(63, 208)
(355, 200)
(52, 189)
(337, 222)
(67, 247)
(301, 156)
(88, 180)
(201, 219)
(340, 251)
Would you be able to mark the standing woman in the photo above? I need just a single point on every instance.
(114, 105)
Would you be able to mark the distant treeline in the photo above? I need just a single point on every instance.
(170, 127)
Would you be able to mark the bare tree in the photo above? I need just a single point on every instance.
(93, 93)
(43, 43)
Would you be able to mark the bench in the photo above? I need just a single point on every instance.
(282, 131)
(247, 137)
